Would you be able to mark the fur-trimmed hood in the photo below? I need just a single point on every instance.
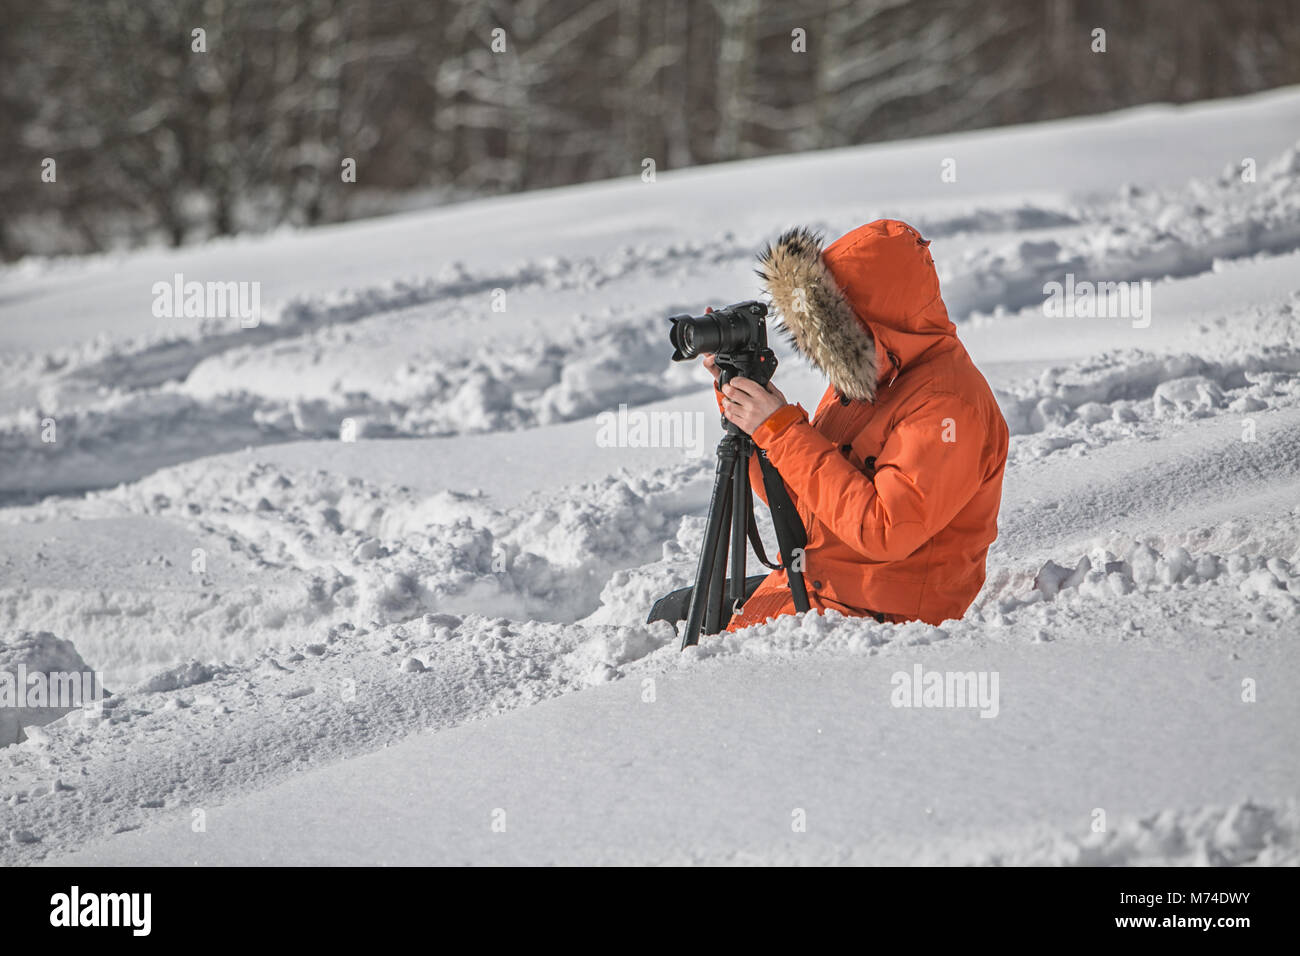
(862, 308)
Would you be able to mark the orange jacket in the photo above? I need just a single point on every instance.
(898, 477)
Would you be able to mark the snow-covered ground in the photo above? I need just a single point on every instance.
(304, 633)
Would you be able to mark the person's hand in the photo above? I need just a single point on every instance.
(711, 366)
(746, 404)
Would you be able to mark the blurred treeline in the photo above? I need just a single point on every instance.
(155, 142)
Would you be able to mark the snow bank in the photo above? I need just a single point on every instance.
(445, 355)
(1142, 234)
(286, 555)
(1248, 833)
(39, 655)
(1133, 394)
(1253, 589)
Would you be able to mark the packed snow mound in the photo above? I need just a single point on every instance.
(401, 359)
(1248, 833)
(320, 551)
(1142, 234)
(1128, 394)
(178, 678)
(328, 388)
(1256, 567)
(40, 652)
(52, 661)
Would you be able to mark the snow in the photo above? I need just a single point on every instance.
(369, 570)
(25, 654)
(699, 774)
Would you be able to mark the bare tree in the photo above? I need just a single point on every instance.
(158, 137)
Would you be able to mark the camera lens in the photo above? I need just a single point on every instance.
(735, 328)
(691, 335)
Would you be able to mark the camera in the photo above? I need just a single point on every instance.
(735, 334)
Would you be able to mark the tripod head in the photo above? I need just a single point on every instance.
(758, 365)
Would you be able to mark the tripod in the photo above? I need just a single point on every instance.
(731, 512)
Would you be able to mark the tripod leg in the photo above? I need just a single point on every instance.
(739, 524)
(718, 511)
(717, 612)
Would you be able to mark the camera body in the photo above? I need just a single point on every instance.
(735, 334)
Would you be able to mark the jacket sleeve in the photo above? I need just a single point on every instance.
(929, 468)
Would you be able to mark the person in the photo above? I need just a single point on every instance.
(897, 476)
